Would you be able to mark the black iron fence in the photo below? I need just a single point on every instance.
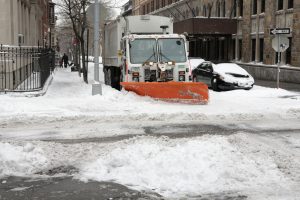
(24, 69)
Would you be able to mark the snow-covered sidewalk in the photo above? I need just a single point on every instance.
(69, 97)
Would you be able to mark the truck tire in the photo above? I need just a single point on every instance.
(107, 75)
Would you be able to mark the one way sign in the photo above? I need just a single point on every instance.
(276, 31)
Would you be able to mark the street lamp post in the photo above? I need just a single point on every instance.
(96, 87)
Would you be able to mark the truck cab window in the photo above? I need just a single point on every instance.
(142, 50)
(171, 49)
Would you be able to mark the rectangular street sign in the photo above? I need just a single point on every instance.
(276, 31)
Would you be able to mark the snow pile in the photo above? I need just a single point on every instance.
(20, 160)
(208, 164)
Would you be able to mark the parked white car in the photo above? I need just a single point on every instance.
(223, 76)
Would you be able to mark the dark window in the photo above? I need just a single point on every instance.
(157, 4)
(224, 8)
(241, 7)
(240, 49)
(197, 11)
(253, 47)
(204, 11)
(218, 10)
(169, 2)
(152, 6)
(163, 3)
(279, 4)
(14, 78)
(263, 5)
(290, 4)
(233, 48)
(144, 9)
(254, 7)
(289, 53)
(261, 50)
(234, 9)
(148, 8)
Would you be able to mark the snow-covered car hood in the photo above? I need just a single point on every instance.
(232, 73)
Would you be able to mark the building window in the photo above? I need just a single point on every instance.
(152, 5)
(279, 4)
(288, 53)
(241, 6)
(218, 9)
(233, 48)
(263, 5)
(169, 2)
(240, 49)
(204, 11)
(157, 4)
(163, 3)
(148, 8)
(197, 11)
(254, 7)
(144, 9)
(290, 4)
(261, 50)
(234, 9)
(224, 8)
(253, 47)
(14, 78)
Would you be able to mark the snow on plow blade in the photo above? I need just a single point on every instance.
(182, 92)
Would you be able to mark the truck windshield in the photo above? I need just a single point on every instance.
(171, 49)
(142, 50)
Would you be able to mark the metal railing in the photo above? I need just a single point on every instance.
(24, 69)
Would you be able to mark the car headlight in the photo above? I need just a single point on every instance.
(221, 77)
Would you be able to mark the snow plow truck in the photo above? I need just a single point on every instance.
(141, 54)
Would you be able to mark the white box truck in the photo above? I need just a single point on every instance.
(143, 49)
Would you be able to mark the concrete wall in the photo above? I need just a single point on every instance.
(269, 72)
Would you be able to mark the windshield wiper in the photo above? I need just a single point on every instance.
(152, 55)
(163, 55)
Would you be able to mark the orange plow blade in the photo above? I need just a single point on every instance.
(182, 92)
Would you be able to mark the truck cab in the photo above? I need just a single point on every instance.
(155, 58)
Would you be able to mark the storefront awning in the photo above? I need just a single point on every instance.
(206, 26)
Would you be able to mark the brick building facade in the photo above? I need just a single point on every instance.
(250, 42)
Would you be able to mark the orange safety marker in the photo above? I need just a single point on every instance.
(181, 92)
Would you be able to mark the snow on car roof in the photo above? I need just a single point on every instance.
(229, 68)
(194, 62)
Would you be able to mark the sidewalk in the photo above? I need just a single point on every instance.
(283, 85)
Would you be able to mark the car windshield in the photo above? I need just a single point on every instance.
(142, 50)
(171, 49)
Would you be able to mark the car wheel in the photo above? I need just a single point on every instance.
(214, 84)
